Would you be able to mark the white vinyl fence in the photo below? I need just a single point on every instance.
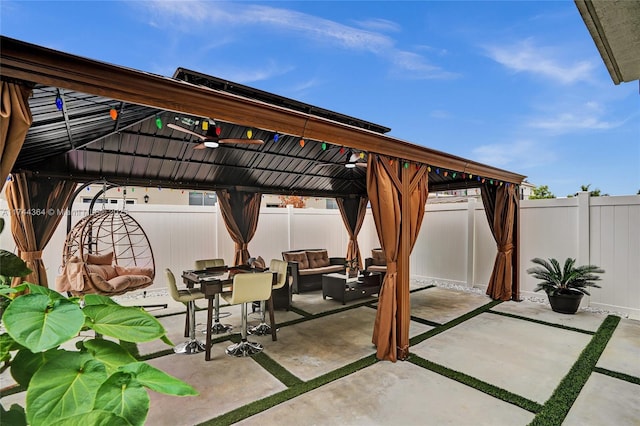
(455, 244)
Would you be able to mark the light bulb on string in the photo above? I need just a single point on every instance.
(342, 150)
(454, 174)
(406, 165)
(113, 113)
(302, 142)
(249, 133)
(205, 125)
(59, 103)
(158, 123)
(276, 137)
(428, 168)
(362, 155)
(438, 171)
(446, 173)
(324, 146)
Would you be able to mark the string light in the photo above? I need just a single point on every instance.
(249, 133)
(218, 130)
(113, 113)
(158, 123)
(302, 142)
(342, 150)
(205, 125)
(362, 155)
(406, 165)
(276, 137)
(59, 103)
(324, 146)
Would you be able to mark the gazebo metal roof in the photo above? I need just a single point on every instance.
(81, 141)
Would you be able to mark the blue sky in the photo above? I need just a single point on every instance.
(517, 85)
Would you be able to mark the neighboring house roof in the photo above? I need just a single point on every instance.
(614, 26)
(82, 142)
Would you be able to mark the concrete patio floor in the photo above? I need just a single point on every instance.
(522, 350)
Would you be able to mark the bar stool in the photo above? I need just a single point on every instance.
(188, 297)
(247, 287)
(217, 327)
(279, 267)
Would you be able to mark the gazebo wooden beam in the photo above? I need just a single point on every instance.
(25, 61)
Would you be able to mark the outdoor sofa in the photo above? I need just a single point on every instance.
(307, 266)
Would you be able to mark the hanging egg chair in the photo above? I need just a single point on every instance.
(108, 253)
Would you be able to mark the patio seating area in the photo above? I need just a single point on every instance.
(473, 361)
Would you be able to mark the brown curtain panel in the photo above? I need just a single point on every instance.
(385, 184)
(15, 120)
(500, 206)
(353, 211)
(36, 206)
(240, 211)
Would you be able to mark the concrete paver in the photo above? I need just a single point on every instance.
(393, 394)
(525, 358)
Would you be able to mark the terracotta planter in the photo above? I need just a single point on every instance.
(565, 303)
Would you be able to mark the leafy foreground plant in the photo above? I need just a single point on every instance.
(98, 383)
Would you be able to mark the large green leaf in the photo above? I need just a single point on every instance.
(111, 354)
(123, 395)
(98, 299)
(39, 323)
(26, 363)
(38, 289)
(124, 322)
(92, 418)
(7, 344)
(15, 416)
(12, 266)
(158, 380)
(64, 386)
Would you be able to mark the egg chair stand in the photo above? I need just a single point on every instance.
(107, 253)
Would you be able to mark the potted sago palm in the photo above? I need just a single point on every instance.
(565, 286)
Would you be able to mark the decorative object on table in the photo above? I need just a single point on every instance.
(351, 267)
(565, 286)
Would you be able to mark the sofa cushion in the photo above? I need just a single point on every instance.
(323, 270)
(318, 258)
(105, 271)
(99, 259)
(299, 256)
(378, 257)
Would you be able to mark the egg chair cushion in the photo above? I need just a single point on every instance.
(99, 259)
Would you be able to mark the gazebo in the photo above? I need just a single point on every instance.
(68, 120)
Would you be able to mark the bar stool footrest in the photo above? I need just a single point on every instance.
(189, 347)
(244, 348)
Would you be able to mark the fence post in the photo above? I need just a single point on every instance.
(289, 226)
(584, 255)
(471, 233)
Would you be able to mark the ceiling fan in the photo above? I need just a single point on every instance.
(351, 163)
(211, 139)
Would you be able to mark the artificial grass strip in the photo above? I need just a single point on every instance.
(617, 375)
(557, 407)
(415, 290)
(425, 321)
(256, 407)
(477, 384)
(435, 331)
(537, 321)
(276, 370)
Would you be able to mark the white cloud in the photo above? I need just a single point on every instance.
(525, 56)
(440, 114)
(521, 154)
(567, 122)
(200, 16)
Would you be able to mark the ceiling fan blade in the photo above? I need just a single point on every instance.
(200, 146)
(187, 131)
(361, 164)
(243, 141)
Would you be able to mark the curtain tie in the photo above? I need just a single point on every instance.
(506, 248)
(392, 267)
(31, 255)
(244, 246)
